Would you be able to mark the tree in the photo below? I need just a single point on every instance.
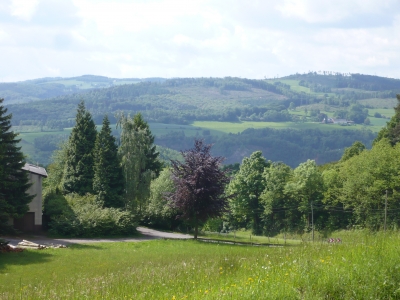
(306, 186)
(159, 213)
(139, 160)
(392, 129)
(354, 150)
(14, 182)
(247, 187)
(79, 172)
(199, 185)
(108, 182)
(278, 212)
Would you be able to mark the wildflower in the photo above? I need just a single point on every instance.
(173, 297)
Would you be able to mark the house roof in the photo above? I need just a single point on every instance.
(35, 169)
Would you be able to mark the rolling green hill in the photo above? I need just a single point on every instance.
(214, 108)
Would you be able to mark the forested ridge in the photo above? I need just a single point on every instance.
(184, 100)
(295, 99)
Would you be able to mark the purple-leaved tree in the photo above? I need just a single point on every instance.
(199, 185)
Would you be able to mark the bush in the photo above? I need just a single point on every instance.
(83, 216)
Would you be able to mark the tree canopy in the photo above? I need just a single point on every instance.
(199, 185)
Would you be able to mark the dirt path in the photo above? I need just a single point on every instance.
(146, 234)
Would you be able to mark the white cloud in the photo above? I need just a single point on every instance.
(171, 38)
(329, 11)
(23, 9)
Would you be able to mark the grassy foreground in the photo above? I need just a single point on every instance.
(362, 267)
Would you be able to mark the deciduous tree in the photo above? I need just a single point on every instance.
(199, 185)
(139, 160)
(247, 187)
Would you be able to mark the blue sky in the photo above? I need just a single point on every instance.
(197, 38)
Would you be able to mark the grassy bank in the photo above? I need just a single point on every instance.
(362, 267)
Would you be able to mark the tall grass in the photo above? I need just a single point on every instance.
(364, 266)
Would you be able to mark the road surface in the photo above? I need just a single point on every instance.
(146, 234)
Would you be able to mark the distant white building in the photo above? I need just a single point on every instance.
(32, 220)
(337, 121)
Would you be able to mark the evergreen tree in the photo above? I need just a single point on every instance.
(79, 171)
(152, 161)
(108, 180)
(14, 182)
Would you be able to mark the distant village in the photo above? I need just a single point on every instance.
(337, 121)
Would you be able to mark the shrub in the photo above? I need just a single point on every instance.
(83, 216)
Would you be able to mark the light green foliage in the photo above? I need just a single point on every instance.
(79, 172)
(84, 216)
(366, 178)
(108, 182)
(139, 160)
(355, 149)
(277, 206)
(246, 188)
(392, 129)
(159, 212)
(54, 181)
(305, 189)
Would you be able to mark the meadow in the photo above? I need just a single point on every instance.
(363, 266)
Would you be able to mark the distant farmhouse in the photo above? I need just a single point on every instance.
(32, 220)
(337, 121)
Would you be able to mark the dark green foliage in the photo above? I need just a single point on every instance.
(14, 182)
(108, 182)
(290, 146)
(152, 162)
(79, 172)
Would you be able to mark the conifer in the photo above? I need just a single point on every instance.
(14, 182)
(108, 180)
(79, 171)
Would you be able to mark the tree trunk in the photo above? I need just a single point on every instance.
(196, 228)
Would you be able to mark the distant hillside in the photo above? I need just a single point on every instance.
(44, 88)
(201, 105)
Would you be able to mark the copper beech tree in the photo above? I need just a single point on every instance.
(199, 185)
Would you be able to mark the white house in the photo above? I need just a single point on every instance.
(32, 220)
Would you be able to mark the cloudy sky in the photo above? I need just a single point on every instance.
(197, 38)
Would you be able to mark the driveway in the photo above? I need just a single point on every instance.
(146, 234)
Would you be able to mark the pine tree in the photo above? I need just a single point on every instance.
(152, 161)
(14, 182)
(79, 172)
(108, 180)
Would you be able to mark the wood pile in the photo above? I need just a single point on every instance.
(30, 245)
(5, 247)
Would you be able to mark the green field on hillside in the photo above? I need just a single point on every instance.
(363, 266)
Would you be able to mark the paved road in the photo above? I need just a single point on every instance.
(146, 234)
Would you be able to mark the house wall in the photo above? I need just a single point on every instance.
(36, 204)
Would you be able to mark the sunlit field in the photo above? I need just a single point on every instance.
(363, 266)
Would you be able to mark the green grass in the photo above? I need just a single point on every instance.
(235, 127)
(364, 266)
(241, 236)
